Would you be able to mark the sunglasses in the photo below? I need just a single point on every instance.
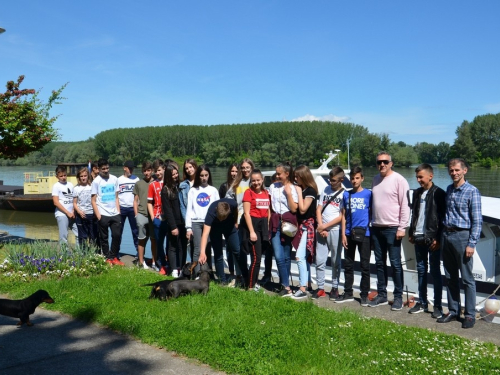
(383, 161)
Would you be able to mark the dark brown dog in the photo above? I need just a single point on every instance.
(181, 287)
(159, 289)
(23, 308)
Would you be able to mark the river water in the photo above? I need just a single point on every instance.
(43, 225)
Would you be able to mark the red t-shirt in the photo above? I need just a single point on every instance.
(259, 203)
(154, 196)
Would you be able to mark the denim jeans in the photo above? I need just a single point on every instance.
(232, 247)
(425, 257)
(282, 254)
(161, 228)
(301, 256)
(385, 243)
(364, 255)
(454, 260)
(128, 213)
(86, 229)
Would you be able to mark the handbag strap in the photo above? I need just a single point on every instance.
(331, 199)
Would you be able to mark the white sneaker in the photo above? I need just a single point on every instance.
(175, 273)
(144, 265)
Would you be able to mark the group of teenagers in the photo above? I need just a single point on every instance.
(187, 218)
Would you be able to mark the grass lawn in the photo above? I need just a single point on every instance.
(253, 333)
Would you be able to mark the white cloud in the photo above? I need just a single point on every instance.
(330, 117)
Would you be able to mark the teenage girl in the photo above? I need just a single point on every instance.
(188, 172)
(232, 172)
(304, 241)
(200, 196)
(284, 204)
(84, 213)
(255, 227)
(176, 233)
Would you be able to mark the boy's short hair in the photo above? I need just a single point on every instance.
(146, 165)
(60, 169)
(355, 171)
(336, 171)
(424, 167)
(102, 162)
(223, 210)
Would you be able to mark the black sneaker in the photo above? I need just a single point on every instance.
(344, 298)
(379, 301)
(397, 304)
(334, 294)
(418, 308)
(364, 301)
(468, 323)
(285, 293)
(437, 313)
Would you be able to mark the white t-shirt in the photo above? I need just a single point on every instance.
(83, 195)
(126, 190)
(65, 194)
(105, 191)
(334, 207)
(279, 201)
(199, 199)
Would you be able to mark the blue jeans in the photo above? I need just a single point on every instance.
(301, 256)
(128, 213)
(161, 228)
(282, 254)
(86, 229)
(232, 247)
(453, 246)
(425, 257)
(384, 240)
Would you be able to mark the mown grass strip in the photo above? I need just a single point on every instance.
(253, 333)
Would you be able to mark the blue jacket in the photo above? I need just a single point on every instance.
(183, 196)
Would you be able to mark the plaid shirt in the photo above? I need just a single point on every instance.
(463, 210)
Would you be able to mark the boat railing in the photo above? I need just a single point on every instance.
(30, 177)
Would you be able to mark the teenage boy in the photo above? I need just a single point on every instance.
(428, 209)
(356, 215)
(145, 227)
(62, 196)
(126, 184)
(461, 233)
(329, 216)
(160, 225)
(221, 220)
(107, 210)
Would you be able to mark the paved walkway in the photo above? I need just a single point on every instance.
(59, 344)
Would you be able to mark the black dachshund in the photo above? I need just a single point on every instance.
(160, 288)
(181, 287)
(23, 308)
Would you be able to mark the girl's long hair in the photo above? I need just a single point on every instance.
(239, 177)
(306, 177)
(89, 175)
(287, 167)
(185, 176)
(197, 178)
(170, 187)
(229, 179)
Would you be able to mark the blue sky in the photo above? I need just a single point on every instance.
(414, 70)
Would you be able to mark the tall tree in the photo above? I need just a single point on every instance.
(25, 122)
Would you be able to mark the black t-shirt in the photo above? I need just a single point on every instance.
(227, 225)
(308, 192)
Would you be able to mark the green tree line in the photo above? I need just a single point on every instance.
(270, 143)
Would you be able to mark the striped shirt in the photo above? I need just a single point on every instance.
(463, 210)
